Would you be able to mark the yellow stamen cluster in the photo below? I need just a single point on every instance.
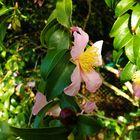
(136, 77)
(88, 59)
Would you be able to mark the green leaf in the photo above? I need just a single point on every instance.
(59, 78)
(39, 118)
(45, 30)
(117, 55)
(50, 61)
(61, 133)
(55, 36)
(64, 12)
(88, 126)
(5, 10)
(136, 49)
(5, 132)
(135, 17)
(69, 102)
(110, 3)
(120, 24)
(123, 6)
(129, 51)
(128, 72)
(52, 17)
(3, 29)
(122, 38)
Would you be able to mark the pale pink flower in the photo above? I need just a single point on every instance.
(41, 102)
(89, 106)
(86, 59)
(136, 84)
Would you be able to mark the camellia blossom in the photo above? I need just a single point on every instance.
(86, 59)
(40, 102)
(136, 84)
(89, 106)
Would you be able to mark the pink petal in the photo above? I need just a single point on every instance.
(98, 45)
(136, 88)
(39, 103)
(81, 39)
(92, 79)
(74, 87)
(89, 107)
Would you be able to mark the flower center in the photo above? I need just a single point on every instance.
(88, 59)
(136, 77)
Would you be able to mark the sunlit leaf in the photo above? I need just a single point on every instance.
(128, 72)
(5, 10)
(129, 51)
(64, 12)
(135, 17)
(123, 6)
(120, 24)
(110, 3)
(122, 38)
(136, 48)
(116, 55)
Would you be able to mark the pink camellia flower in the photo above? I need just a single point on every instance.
(86, 59)
(136, 84)
(41, 102)
(89, 106)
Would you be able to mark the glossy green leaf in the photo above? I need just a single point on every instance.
(59, 78)
(60, 133)
(64, 12)
(120, 24)
(135, 17)
(116, 55)
(123, 6)
(136, 49)
(122, 38)
(45, 30)
(128, 72)
(88, 126)
(68, 102)
(39, 118)
(50, 61)
(55, 36)
(5, 10)
(129, 51)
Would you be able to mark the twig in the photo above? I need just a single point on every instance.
(121, 93)
(88, 15)
(116, 72)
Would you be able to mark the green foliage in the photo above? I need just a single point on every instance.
(126, 35)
